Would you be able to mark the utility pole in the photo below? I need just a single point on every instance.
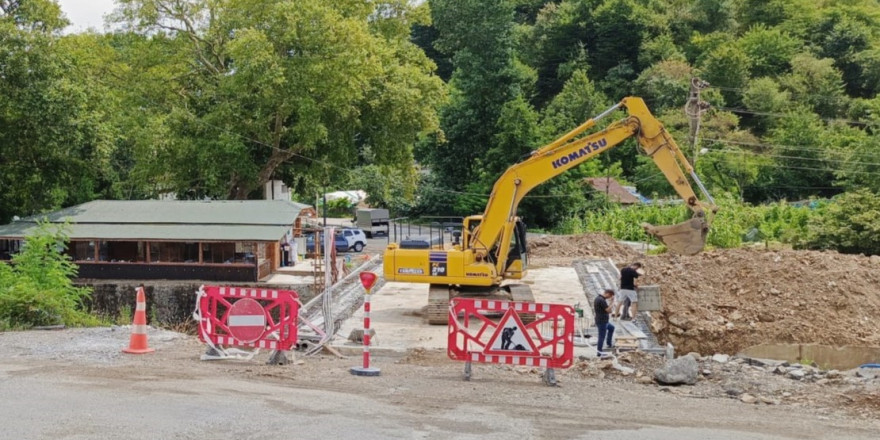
(694, 109)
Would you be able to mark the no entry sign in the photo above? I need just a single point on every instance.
(247, 320)
(248, 317)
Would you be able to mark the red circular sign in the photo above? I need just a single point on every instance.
(246, 320)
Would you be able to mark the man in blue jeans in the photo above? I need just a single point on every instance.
(602, 311)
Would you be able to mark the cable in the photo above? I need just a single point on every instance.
(786, 147)
(784, 115)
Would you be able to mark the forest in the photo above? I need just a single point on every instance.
(423, 104)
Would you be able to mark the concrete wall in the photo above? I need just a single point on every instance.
(169, 302)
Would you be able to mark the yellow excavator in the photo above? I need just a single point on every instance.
(492, 247)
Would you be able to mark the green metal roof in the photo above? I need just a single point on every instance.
(233, 220)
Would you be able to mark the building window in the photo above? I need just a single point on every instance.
(123, 251)
(218, 252)
(82, 250)
(172, 252)
(8, 248)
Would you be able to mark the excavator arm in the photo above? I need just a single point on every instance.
(492, 234)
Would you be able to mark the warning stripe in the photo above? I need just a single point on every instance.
(241, 292)
(229, 340)
(525, 361)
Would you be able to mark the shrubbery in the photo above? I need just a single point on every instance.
(37, 288)
(734, 224)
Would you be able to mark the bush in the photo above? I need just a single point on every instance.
(37, 288)
(782, 222)
(851, 225)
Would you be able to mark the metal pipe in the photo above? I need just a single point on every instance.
(702, 188)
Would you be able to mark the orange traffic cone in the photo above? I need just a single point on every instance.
(138, 343)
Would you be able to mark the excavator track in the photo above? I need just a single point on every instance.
(437, 311)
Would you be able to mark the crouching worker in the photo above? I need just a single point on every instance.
(602, 310)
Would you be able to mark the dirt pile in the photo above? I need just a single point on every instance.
(723, 301)
(568, 247)
(727, 300)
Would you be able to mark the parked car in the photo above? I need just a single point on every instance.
(355, 237)
(345, 240)
(339, 241)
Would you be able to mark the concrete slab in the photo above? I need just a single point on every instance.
(397, 311)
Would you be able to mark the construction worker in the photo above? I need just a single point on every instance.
(627, 290)
(601, 311)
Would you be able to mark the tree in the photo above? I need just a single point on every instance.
(54, 138)
(769, 50)
(271, 86)
(817, 84)
(850, 225)
(478, 37)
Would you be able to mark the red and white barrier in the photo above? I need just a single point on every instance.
(247, 317)
(546, 342)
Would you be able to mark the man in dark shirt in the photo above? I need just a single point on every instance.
(628, 277)
(606, 329)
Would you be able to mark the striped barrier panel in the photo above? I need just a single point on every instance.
(475, 336)
(248, 317)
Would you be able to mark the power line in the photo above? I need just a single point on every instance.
(785, 115)
(787, 147)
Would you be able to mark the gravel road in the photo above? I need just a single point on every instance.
(75, 384)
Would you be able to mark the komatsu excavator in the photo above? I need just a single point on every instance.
(493, 246)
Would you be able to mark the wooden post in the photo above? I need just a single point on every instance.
(149, 252)
(201, 260)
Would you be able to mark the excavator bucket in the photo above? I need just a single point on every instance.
(685, 238)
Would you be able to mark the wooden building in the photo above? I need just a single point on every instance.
(235, 240)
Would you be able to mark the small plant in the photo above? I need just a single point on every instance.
(124, 317)
(37, 289)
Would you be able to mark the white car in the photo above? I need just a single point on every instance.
(356, 238)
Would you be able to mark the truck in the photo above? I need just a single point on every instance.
(492, 249)
(373, 221)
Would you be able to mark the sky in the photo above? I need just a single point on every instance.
(84, 14)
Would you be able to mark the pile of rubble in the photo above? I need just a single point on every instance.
(749, 380)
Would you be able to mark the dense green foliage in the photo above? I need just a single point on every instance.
(794, 106)
(425, 104)
(734, 224)
(36, 289)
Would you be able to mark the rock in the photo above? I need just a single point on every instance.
(822, 382)
(729, 326)
(774, 291)
(768, 400)
(875, 259)
(780, 370)
(796, 374)
(720, 358)
(695, 355)
(786, 394)
(706, 372)
(683, 370)
(357, 335)
(748, 398)
(832, 374)
(645, 380)
(733, 391)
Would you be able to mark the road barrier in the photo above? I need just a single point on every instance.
(247, 317)
(545, 342)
